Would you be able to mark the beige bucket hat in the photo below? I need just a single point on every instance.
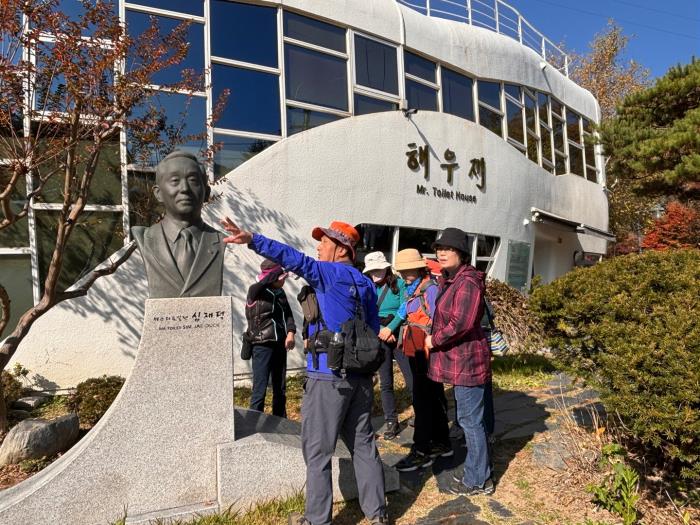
(375, 261)
(409, 259)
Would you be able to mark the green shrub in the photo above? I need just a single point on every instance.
(94, 396)
(11, 388)
(630, 325)
(514, 318)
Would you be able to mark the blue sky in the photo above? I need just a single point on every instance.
(663, 33)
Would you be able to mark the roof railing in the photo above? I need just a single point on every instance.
(497, 16)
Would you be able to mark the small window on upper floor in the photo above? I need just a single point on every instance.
(244, 32)
(365, 105)
(421, 96)
(314, 32)
(457, 94)
(315, 78)
(490, 93)
(418, 66)
(572, 126)
(375, 65)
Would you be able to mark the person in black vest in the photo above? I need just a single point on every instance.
(271, 332)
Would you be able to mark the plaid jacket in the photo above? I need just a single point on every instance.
(460, 354)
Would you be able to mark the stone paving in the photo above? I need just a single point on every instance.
(519, 416)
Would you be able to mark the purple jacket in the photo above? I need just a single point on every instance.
(460, 354)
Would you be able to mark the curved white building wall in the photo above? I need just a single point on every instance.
(355, 170)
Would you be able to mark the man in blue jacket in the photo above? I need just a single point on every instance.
(335, 403)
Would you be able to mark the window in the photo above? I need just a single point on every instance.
(589, 150)
(418, 66)
(457, 94)
(299, 119)
(572, 126)
(235, 151)
(375, 65)
(490, 113)
(192, 7)
(17, 280)
(315, 78)
(137, 23)
(314, 32)
(575, 143)
(96, 236)
(419, 239)
(545, 132)
(365, 105)
(374, 238)
(531, 126)
(515, 116)
(420, 96)
(558, 133)
(182, 122)
(244, 32)
(485, 252)
(421, 86)
(254, 100)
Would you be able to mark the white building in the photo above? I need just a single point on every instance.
(402, 119)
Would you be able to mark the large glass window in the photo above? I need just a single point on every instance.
(244, 32)
(234, 151)
(181, 121)
(515, 115)
(315, 78)
(299, 119)
(490, 93)
(418, 238)
(375, 65)
(572, 126)
(490, 113)
(531, 126)
(106, 187)
(254, 100)
(365, 105)
(16, 278)
(137, 23)
(420, 96)
(457, 94)
(374, 238)
(576, 160)
(418, 66)
(314, 32)
(96, 236)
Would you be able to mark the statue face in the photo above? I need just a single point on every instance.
(180, 188)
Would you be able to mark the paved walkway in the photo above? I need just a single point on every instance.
(520, 417)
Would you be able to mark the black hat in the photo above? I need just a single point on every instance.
(453, 238)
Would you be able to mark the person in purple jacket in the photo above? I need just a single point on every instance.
(335, 403)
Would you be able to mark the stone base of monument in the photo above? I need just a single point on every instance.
(167, 449)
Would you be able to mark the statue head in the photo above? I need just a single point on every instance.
(181, 186)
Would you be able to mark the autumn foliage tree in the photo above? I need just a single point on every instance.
(679, 227)
(68, 87)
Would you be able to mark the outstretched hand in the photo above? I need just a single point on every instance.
(238, 236)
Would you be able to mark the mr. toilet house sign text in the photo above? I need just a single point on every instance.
(419, 158)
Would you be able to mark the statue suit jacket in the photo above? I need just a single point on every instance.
(164, 279)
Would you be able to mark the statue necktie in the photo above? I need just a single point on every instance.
(185, 252)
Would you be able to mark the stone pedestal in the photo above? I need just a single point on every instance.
(166, 448)
(155, 450)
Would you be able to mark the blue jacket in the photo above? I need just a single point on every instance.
(335, 285)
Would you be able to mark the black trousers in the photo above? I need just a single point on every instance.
(386, 378)
(429, 405)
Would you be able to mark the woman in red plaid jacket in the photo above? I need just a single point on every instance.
(460, 355)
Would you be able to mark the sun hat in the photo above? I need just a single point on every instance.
(452, 238)
(409, 259)
(342, 232)
(375, 261)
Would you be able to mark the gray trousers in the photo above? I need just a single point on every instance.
(330, 409)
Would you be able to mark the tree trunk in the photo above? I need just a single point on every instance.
(4, 425)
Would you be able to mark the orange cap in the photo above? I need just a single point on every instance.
(342, 232)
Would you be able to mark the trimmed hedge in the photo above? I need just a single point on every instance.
(94, 396)
(631, 325)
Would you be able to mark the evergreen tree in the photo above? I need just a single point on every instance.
(654, 139)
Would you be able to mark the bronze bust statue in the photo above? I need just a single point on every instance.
(184, 257)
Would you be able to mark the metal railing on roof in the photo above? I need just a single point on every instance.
(498, 16)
